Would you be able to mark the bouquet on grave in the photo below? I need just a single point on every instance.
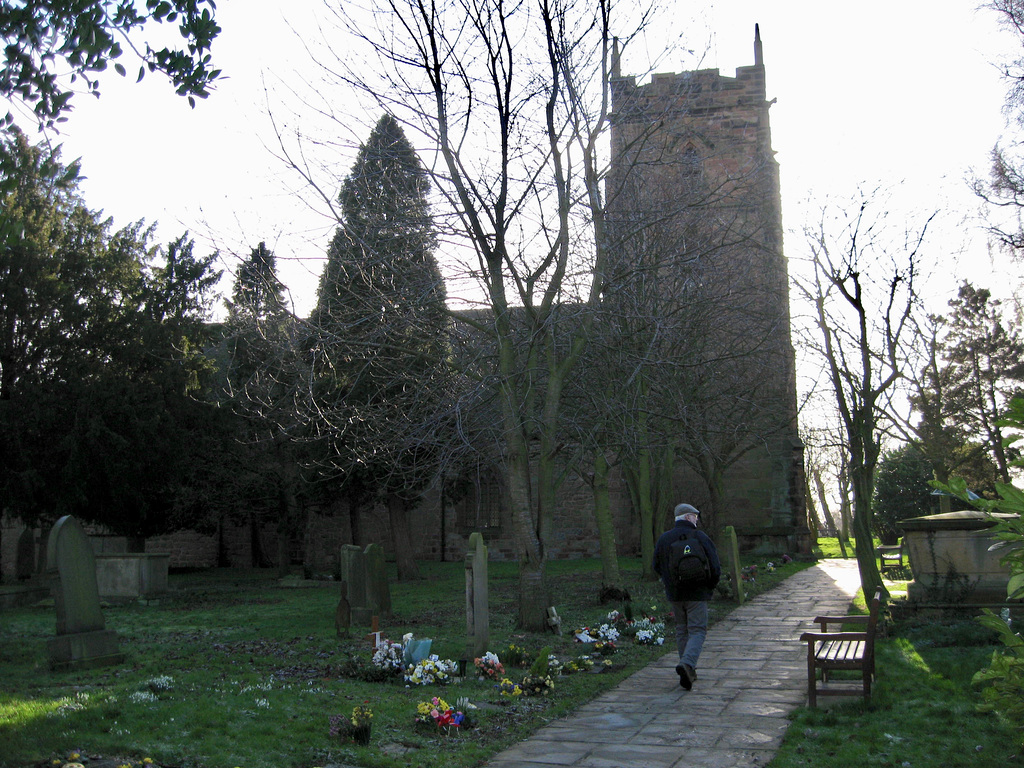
(605, 632)
(605, 647)
(507, 688)
(440, 714)
(647, 631)
(388, 656)
(431, 670)
(535, 685)
(490, 667)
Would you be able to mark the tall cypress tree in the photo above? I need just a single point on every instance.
(380, 347)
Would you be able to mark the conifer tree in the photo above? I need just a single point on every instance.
(380, 327)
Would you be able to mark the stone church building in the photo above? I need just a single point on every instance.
(693, 194)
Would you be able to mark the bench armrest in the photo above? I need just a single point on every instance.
(859, 618)
(816, 636)
(824, 621)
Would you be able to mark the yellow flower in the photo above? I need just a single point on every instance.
(147, 760)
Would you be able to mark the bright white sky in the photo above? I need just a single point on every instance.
(902, 92)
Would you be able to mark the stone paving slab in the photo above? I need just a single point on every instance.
(752, 674)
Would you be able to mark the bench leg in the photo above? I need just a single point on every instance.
(812, 688)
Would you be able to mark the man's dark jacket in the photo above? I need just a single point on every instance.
(681, 530)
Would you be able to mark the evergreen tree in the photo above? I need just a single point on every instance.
(263, 365)
(258, 291)
(902, 491)
(100, 362)
(380, 324)
(985, 356)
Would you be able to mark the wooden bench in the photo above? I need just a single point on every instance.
(830, 651)
(890, 557)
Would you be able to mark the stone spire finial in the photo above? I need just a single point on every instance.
(616, 62)
(758, 52)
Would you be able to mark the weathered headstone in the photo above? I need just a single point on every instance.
(378, 593)
(81, 641)
(732, 559)
(353, 573)
(343, 613)
(477, 611)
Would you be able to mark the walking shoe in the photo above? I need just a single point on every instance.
(690, 673)
(684, 676)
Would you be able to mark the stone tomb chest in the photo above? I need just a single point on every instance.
(132, 575)
(950, 558)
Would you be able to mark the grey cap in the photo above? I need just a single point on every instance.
(686, 509)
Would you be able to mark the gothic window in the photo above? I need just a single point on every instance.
(691, 167)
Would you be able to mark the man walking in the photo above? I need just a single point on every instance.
(689, 598)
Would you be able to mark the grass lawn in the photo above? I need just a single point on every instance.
(236, 670)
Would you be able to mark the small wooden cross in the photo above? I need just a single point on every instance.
(375, 633)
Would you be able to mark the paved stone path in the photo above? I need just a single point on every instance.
(752, 673)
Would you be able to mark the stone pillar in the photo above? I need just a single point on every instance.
(477, 611)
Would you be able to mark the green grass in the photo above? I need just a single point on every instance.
(236, 670)
(256, 669)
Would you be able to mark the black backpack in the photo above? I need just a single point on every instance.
(688, 565)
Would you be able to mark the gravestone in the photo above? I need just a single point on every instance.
(353, 574)
(732, 562)
(477, 612)
(378, 593)
(25, 556)
(81, 641)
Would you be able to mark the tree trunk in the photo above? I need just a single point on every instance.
(870, 578)
(534, 599)
(642, 494)
(820, 486)
(610, 578)
(401, 537)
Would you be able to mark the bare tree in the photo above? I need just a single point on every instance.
(514, 98)
(861, 286)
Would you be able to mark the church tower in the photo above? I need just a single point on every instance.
(695, 217)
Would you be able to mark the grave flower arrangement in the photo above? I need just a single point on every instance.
(507, 688)
(535, 685)
(648, 637)
(605, 647)
(749, 573)
(388, 656)
(581, 664)
(605, 632)
(490, 667)
(440, 714)
(431, 671)
(647, 631)
(515, 655)
(357, 727)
